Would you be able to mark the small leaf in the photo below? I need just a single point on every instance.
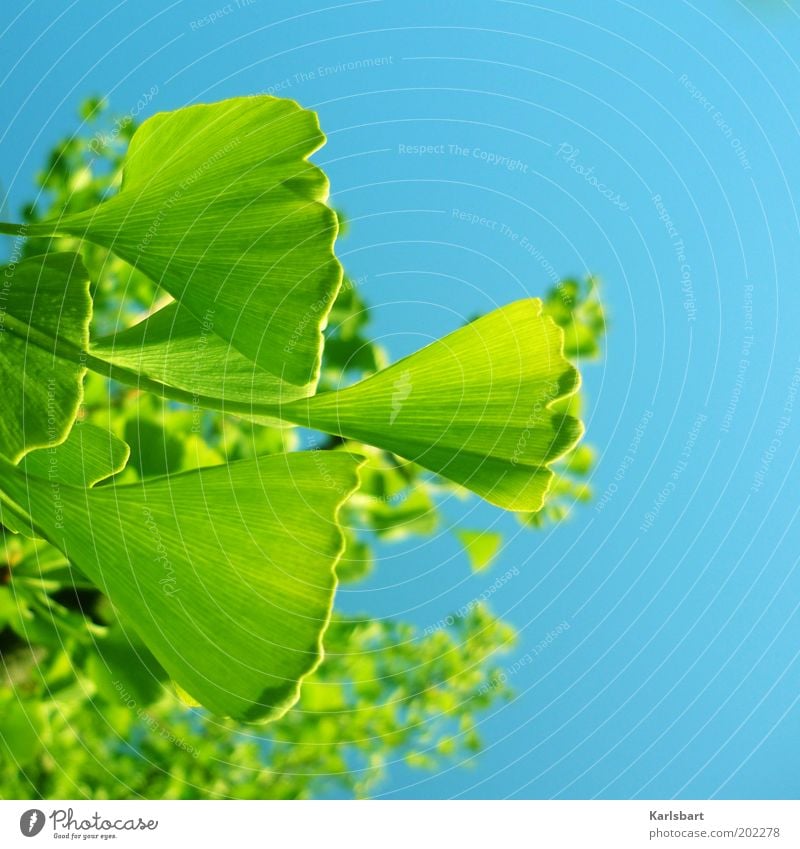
(227, 573)
(481, 547)
(44, 325)
(475, 407)
(179, 351)
(220, 206)
(89, 455)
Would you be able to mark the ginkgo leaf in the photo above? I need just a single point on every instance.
(227, 573)
(220, 206)
(475, 407)
(45, 310)
(179, 351)
(481, 547)
(87, 456)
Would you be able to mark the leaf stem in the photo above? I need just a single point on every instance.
(13, 229)
(66, 350)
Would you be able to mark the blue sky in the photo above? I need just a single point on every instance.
(652, 144)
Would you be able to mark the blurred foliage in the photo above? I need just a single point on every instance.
(86, 711)
(89, 716)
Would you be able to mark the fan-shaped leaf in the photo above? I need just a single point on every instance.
(45, 310)
(87, 456)
(475, 407)
(179, 351)
(227, 573)
(220, 206)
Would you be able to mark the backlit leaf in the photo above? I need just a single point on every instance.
(89, 455)
(174, 348)
(44, 325)
(475, 407)
(227, 573)
(481, 547)
(220, 206)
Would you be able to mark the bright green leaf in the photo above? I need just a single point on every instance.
(227, 573)
(45, 310)
(481, 547)
(89, 455)
(179, 351)
(220, 206)
(475, 407)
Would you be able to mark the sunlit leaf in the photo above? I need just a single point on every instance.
(481, 547)
(44, 324)
(89, 455)
(220, 206)
(227, 573)
(179, 351)
(475, 407)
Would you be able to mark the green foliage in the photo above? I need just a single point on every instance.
(481, 546)
(220, 207)
(236, 616)
(76, 668)
(476, 406)
(75, 727)
(46, 308)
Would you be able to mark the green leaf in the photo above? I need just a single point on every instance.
(45, 310)
(123, 668)
(154, 451)
(89, 455)
(227, 573)
(179, 351)
(481, 547)
(475, 407)
(220, 206)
